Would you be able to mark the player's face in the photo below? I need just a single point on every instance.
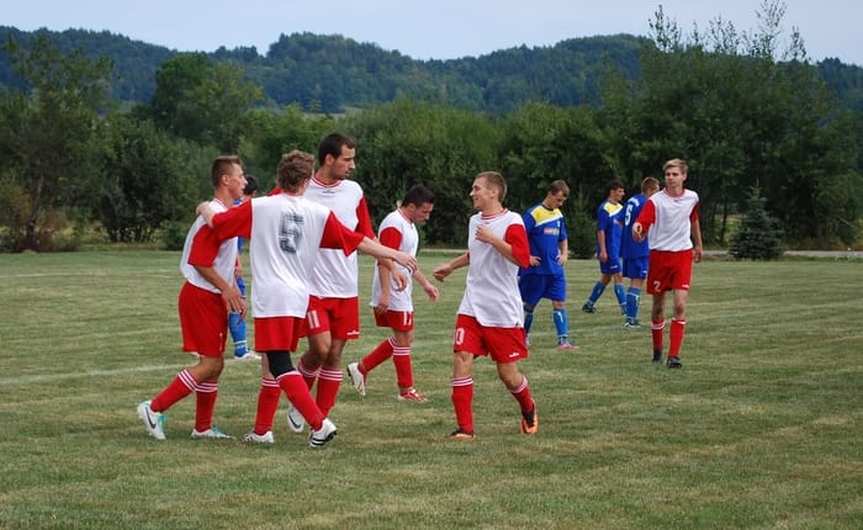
(674, 179)
(236, 181)
(342, 166)
(555, 200)
(422, 213)
(482, 194)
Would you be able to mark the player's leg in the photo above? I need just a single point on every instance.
(462, 395)
(207, 372)
(619, 291)
(237, 326)
(330, 376)
(404, 366)
(657, 326)
(358, 371)
(598, 288)
(518, 386)
(678, 328)
(268, 404)
(556, 292)
(291, 382)
(531, 287)
(633, 300)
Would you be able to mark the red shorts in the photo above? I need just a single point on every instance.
(339, 316)
(669, 270)
(503, 345)
(203, 321)
(278, 333)
(397, 320)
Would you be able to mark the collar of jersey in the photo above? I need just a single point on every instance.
(321, 184)
(485, 217)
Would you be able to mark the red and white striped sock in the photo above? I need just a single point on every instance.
(205, 403)
(462, 402)
(298, 394)
(268, 404)
(678, 330)
(404, 369)
(656, 329)
(381, 353)
(523, 396)
(182, 385)
(329, 382)
(309, 376)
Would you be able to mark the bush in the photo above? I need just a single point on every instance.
(759, 236)
(174, 235)
(582, 231)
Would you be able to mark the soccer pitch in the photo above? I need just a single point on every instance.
(762, 428)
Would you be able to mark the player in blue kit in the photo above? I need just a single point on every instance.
(635, 254)
(236, 322)
(609, 229)
(549, 250)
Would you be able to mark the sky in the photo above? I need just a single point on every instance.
(438, 29)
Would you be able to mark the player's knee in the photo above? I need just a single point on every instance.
(280, 362)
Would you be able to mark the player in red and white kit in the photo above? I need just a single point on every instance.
(205, 298)
(394, 309)
(490, 317)
(286, 232)
(669, 220)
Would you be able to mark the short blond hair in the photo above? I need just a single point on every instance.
(496, 180)
(676, 162)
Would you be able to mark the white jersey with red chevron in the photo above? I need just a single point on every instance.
(669, 220)
(396, 225)
(491, 295)
(336, 275)
(225, 260)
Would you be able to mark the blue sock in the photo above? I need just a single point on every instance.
(598, 289)
(237, 326)
(528, 319)
(633, 297)
(561, 322)
(620, 293)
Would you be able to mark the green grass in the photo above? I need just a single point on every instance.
(761, 429)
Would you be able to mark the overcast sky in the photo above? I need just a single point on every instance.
(440, 29)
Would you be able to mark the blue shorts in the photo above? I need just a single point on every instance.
(611, 266)
(635, 268)
(533, 287)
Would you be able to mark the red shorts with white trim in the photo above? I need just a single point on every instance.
(503, 345)
(397, 320)
(669, 270)
(203, 321)
(339, 316)
(278, 333)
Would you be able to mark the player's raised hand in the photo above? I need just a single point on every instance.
(535, 261)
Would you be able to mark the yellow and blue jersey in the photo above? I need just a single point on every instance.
(609, 219)
(545, 230)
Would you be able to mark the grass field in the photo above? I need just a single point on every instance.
(763, 427)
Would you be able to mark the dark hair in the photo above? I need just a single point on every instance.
(294, 169)
(221, 165)
(418, 195)
(332, 145)
(558, 186)
(495, 179)
(251, 185)
(614, 185)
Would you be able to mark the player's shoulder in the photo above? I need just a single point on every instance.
(217, 205)
(393, 219)
(513, 217)
(690, 194)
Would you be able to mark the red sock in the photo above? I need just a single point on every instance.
(678, 330)
(182, 385)
(523, 396)
(309, 376)
(462, 402)
(268, 404)
(299, 396)
(329, 382)
(205, 402)
(378, 355)
(404, 370)
(656, 329)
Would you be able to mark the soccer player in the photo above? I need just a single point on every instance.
(609, 228)
(669, 220)
(489, 320)
(236, 321)
(286, 232)
(394, 309)
(205, 299)
(634, 253)
(549, 250)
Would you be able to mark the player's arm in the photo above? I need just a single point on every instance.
(563, 249)
(205, 249)
(390, 237)
(600, 241)
(234, 301)
(698, 251)
(336, 235)
(513, 246)
(445, 269)
(642, 225)
(427, 286)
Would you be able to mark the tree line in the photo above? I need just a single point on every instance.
(744, 108)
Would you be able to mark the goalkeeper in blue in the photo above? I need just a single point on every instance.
(635, 254)
(549, 250)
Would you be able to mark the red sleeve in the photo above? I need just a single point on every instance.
(693, 215)
(205, 248)
(391, 237)
(647, 216)
(337, 236)
(235, 222)
(364, 220)
(274, 191)
(517, 238)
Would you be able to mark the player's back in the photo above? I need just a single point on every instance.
(629, 247)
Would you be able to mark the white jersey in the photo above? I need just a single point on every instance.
(408, 240)
(285, 233)
(671, 219)
(336, 275)
(225, 260)
(491, 295)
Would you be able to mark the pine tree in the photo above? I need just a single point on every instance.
(759, 236)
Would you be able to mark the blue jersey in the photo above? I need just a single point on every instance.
(630, 248)
(545, 230)
(609, 219)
